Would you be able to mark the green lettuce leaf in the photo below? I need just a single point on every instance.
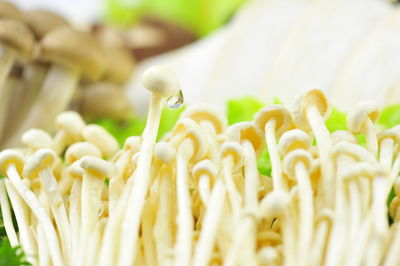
(336, 121)
(242, 109)
(390, 116)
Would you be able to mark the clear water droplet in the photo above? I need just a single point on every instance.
(176, 101)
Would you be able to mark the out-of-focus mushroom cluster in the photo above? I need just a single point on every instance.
(197, 198)
(47, 65)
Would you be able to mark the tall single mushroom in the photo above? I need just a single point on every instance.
(73, 55)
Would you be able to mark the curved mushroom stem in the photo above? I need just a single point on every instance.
(204, 189)
(184, 239)
(54, 96)
(306, 212)
(139, 188)
(324, 145)
(59, 211)
(270, 139)
(234, 196)
(371, 138)
(211, 221)
(40, 213)
(6, 62)
(6, 214)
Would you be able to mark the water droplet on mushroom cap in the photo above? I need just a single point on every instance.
(176, 101)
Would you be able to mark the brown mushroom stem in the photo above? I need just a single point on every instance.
(54, 96)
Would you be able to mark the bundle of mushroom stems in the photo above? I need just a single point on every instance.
(196, 197)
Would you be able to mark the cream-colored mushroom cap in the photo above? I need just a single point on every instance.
(205, 167)
(233, 149)
(9, 10)
(74, 50)
(37, 139)
(8, 157)
(72, 123)
(246, 131)
(274, 204)
(199, 140)
(98, 167)
(75, 170)
(182, 125)
(343, 135)
(389, 133)
(201, 112)
(100, 137)
(161, 80)
(294, 139)
(311, 98)
(80, 149)
(357, 117)
(42, 22)
(41, 159)
(353, 150)
(133, 143)
(165, 152)
(279, 113)
(294, 157)
(15, 35)
(364, 169)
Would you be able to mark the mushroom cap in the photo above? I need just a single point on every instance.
(294, 139)
(104, 99)
(165, 152)
(161, 80)
(74, 50)
(100, 137)
(294, 157)
(133, 143)
(16, 35)
(80, 149)
(389, 133)
(199, 140)
(277, 112)
(326, 215)
(274, 204)
(233, 149)
(42, 22)
(72, 123)
(246, 131)
(357, 117)
(343, 135)
(98, 167)
(9, 10)
(75, 170)
(315, 98)
(205, 167)
(182, 125)
(357, 152)
(202, 112)
(8, 157)
(37, 139)
(120, 64)
(40, 160)
(364, 169)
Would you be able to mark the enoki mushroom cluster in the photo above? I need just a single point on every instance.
(196, 197)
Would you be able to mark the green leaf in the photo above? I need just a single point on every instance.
(336, 121)
(390, 116)
(243, 109)
(169, 116)
(11, 256)
(264, 163)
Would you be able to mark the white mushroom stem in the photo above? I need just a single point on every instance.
(54, 96)
(40, 213)
(204, 188)
(163, 226)
(147, 225)
(211, 222)
(7, 219)
(270, 139)
(75, 217)
(43, 250)
(184, 238)
(6, 62)
(393, 255)
(324, 145)
(370, 137)
(234, 196)
(21, 215)
(252, 177)
(386, 152)
(138, 189)
(319, 243)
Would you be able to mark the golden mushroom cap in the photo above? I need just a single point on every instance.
(75, 50)
(246, 131)
(202, 112)
(357, 117)
(294, 139)
(17, 36)
(279, 113)
(42, 22)
(10, 11)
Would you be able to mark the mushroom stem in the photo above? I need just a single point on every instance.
(138, 189)
(204, 188)
(270, 139)
(252, 178)
(233, 195)
(40, 213)
(211, 221)
(319, 243)
(6, 213)
(393, 255)
(370, 137)
(43, 251)
(386, 152)
(74, 217)
(54, 96)
(184, 239)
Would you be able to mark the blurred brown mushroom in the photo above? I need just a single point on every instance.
(104, 100)
(72, 54)
(42, 22)
(9, 10)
